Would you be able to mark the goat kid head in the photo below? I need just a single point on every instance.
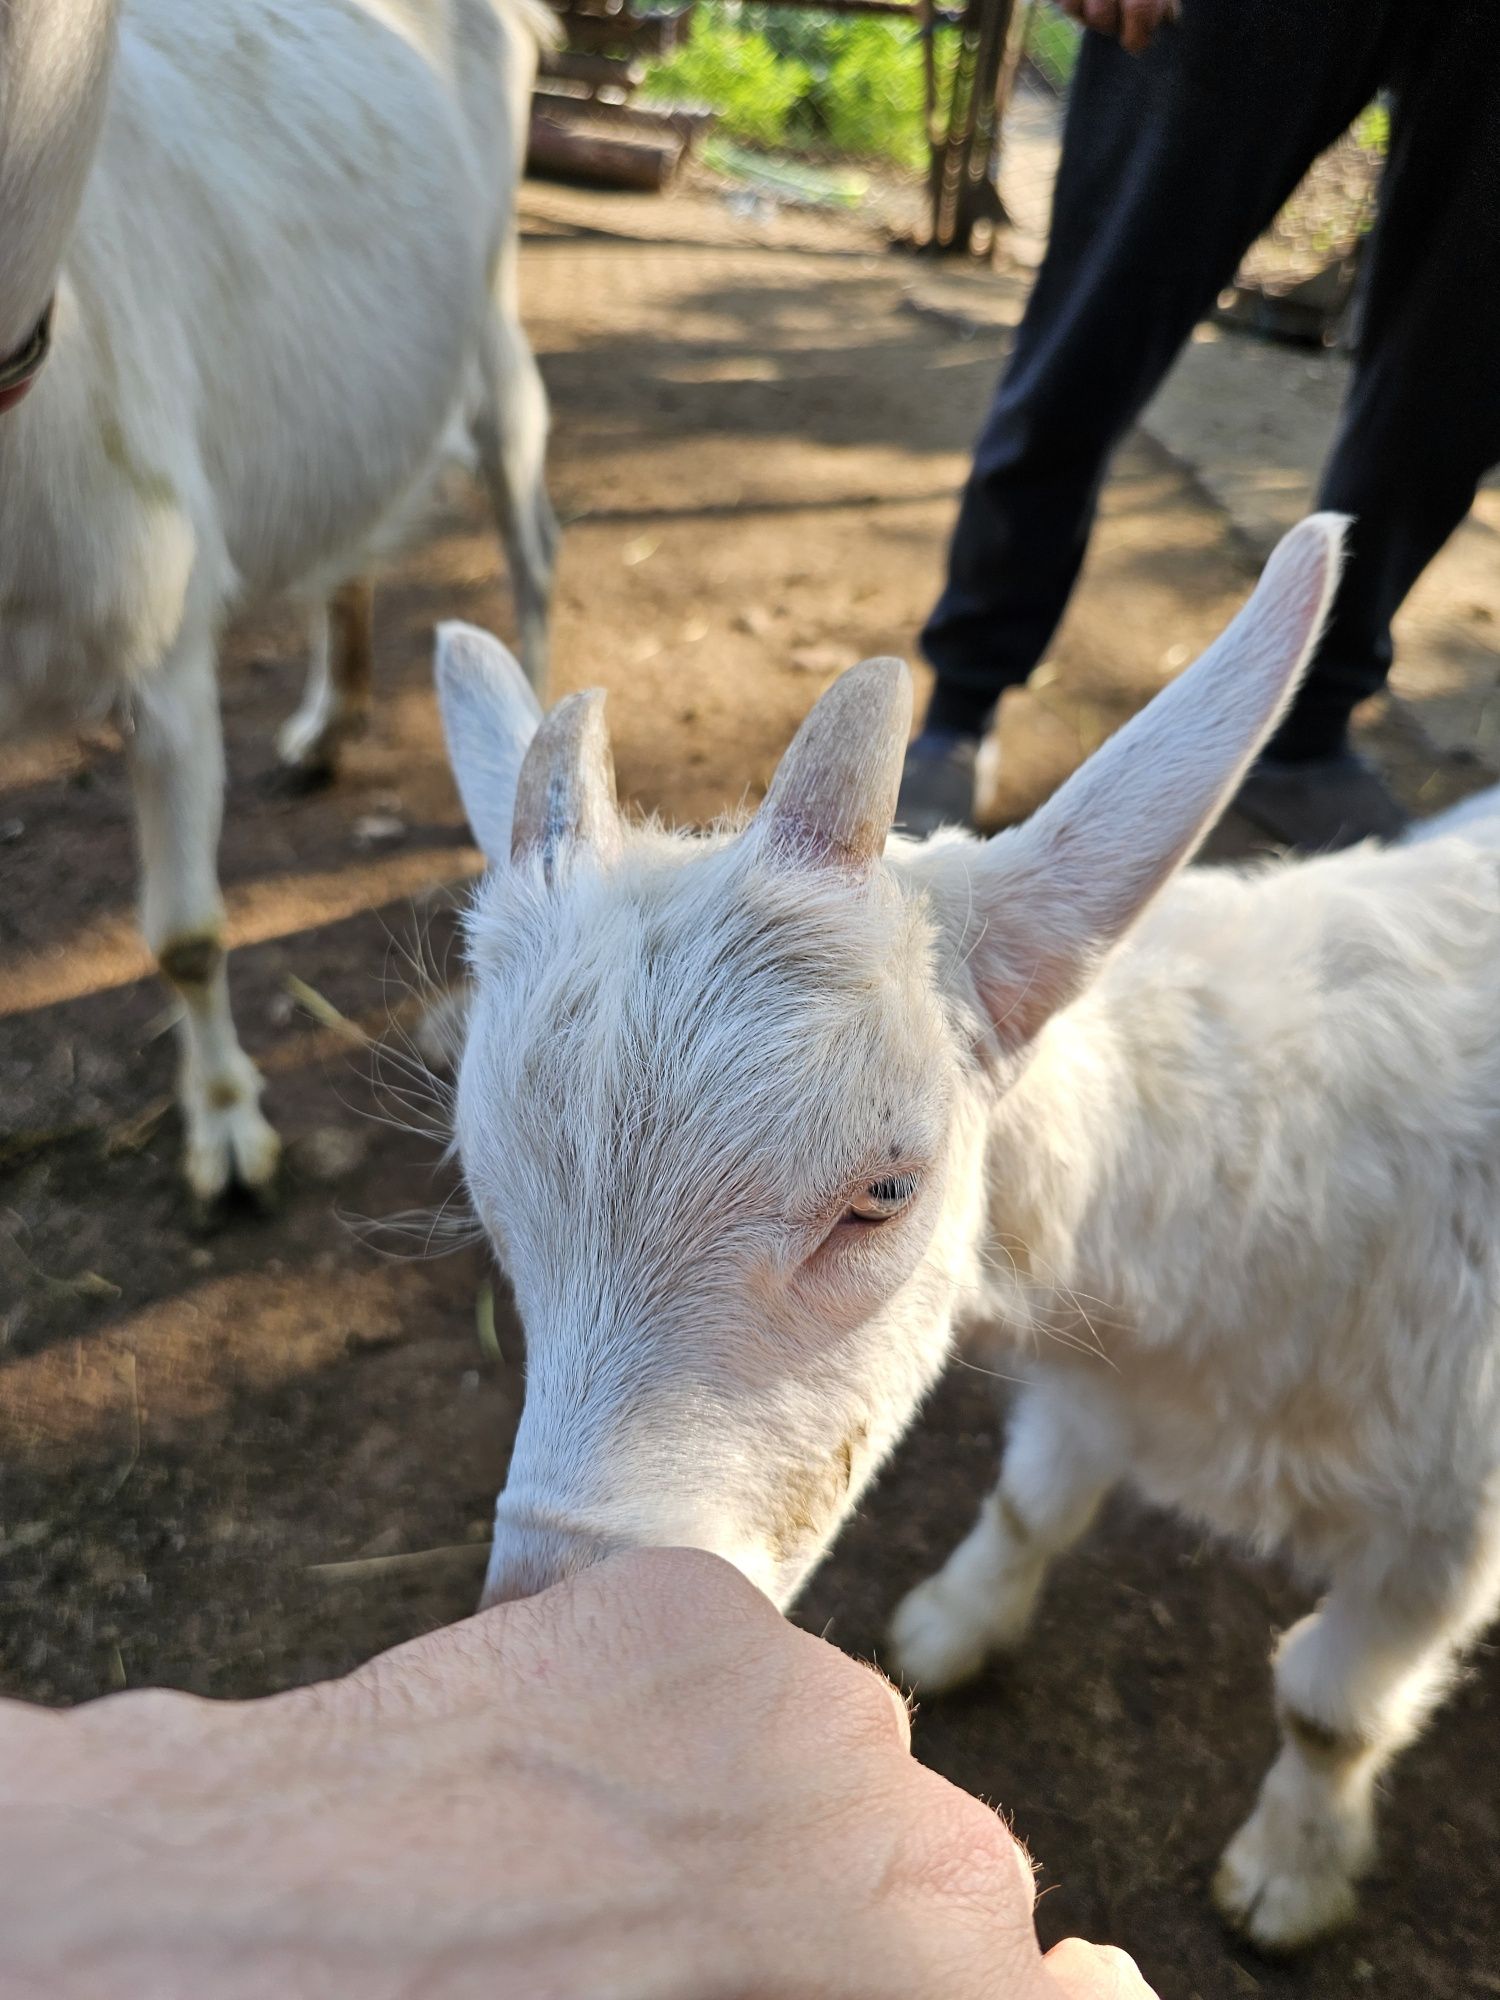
(723, 1101)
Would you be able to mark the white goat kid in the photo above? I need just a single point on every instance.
(754, 1120)
(273, 250)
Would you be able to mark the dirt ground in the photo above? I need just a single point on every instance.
(238, 1458)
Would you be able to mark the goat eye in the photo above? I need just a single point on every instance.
(882, 1199)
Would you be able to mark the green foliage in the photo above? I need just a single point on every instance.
(804, 81)
(775, 174)
(868, 101)
(1052, 43)
(739, 74)
(808, 82)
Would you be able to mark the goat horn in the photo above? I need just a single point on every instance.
(834, 794)
(565, 793)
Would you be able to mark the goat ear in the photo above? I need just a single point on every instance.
(834, 794)
(1056, 893)
(565, 795)
(490, 715)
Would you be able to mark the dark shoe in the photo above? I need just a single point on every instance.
(937, 785)
(1326, 803)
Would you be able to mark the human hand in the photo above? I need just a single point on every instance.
(1132, 22)
(642, 1785)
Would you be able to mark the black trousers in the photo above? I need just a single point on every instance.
(1172, 164)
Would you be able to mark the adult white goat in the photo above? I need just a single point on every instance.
(754, 1120)
(272, 248)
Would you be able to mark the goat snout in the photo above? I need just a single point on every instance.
(529, 1555)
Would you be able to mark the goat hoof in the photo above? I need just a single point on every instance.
(231, 1145)
(1278, 1899)
(307, 753)
(294, 778)
(935, 1642)
(308, 747)
(296, 781)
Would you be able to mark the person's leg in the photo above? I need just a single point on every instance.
(1172, 163)
(1421, 422)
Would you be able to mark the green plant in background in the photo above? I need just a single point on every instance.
(1052, 44)
(792, 80)
(734, 71)
(868, 99)
(786, 179)
(803, 81)
(795, 79)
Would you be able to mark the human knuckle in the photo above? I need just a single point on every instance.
(1128, 1977)
(1075, 1959)
(867, 1711)
(158, 1713)
(678, 1589)
(966, 1856)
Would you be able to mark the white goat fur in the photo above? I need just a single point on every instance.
(281, 236)
(1264, 1135)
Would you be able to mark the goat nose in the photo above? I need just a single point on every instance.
(529, 1555)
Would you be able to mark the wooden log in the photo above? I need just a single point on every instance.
(642, 34)
(687, 122)
(599, 158)
(624, 71)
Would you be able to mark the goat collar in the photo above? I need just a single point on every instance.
(19, 370)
